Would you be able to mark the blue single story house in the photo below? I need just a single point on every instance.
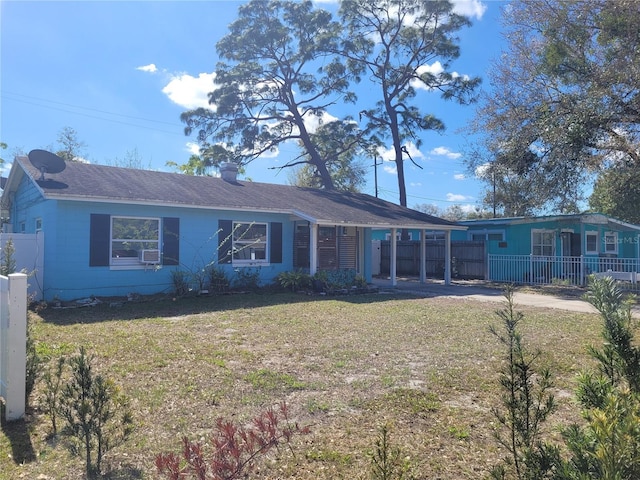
(111, 231)
(560, 247)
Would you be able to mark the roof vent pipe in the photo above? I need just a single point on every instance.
(229, 172)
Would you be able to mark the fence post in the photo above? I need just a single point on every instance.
(13, 323)
(531, 274)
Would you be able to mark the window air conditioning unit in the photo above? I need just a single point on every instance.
(149, 256)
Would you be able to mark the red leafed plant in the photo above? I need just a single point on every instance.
(232, 449)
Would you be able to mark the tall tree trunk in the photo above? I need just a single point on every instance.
(316, 159)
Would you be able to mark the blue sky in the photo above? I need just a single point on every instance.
(120, 73)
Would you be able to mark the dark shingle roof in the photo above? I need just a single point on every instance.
(88, 182)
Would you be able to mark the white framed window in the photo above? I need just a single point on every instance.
(433, 235)
(23, 227)
(131, 237)
(611, 242)
(591, 242)
(387, 236)
(487, 235)
(38, 224)
(249, 242)
(543, 242)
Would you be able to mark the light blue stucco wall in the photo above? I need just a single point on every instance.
(68, 274)
(518, 236)
(66, 224)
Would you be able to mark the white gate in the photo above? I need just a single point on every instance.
(13, 344)
(376, 257)
(29, 257)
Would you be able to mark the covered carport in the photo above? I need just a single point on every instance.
(345, 210)
(393, 240)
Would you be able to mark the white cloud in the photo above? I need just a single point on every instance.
(193, 148)
(445, 152)
(388, 156)
(456, 197)
(459, 176)
(270, 153)
(312, 122)
(6, 168)
(483, 170)
(190, 92)
(434, 69)
(390, 167)
(469, 8)
(415, 184)
(468, 208)
(151, 68)
(413, 151)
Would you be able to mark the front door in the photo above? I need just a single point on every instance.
(571, 251)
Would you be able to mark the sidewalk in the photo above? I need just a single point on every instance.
(476, 291)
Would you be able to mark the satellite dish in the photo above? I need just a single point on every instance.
(46, 162)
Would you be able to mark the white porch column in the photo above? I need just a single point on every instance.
(423, 256)
(447, 257)
(393, 260)
(313, 248)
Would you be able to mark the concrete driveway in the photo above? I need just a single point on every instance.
(476, 291)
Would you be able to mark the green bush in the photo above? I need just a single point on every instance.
(388, 462)
(340, 279)
(180, 280)
(96, 414)
(608, 445)
(218, 280)
(246, 279)
(294, 281)
(526, 403)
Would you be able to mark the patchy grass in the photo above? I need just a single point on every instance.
(427, 368)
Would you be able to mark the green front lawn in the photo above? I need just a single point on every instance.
(346, 366)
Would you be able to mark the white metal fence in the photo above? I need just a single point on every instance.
(13, 344)
(536, 269)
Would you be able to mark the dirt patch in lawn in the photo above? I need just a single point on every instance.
(426, 368)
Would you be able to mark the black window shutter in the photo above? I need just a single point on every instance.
(224, 241)
(275, 250)
(99, 232)
(170, 241)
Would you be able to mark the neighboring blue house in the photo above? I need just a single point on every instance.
(563, 247)
(112, 231)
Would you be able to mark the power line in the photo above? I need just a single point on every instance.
(391, 192)
(38, 102)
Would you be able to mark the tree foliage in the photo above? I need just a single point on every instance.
(131, 159)
(339, 144)
(453, 212)
(617, 193)
(402, 46)
(565, 96)
(515, 189)
(70, 149)
(277, 77)
(3, 146)
(204, 162)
